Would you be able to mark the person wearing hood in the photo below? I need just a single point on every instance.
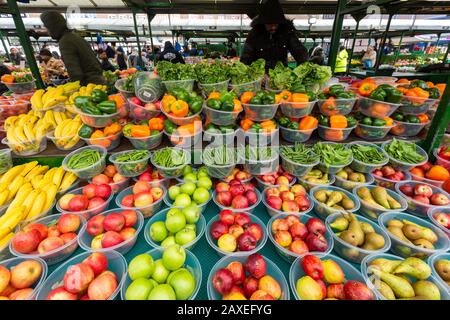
(78, 56)
(272, 37)
(170, 54)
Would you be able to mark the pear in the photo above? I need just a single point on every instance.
(394, 204)
(350, 237)
(356, 229)
(373, 241)
(379, 194)
(321, 196)
(338, 207)
(400, 287)
(416, 298)
(356, 177)
(366, 227)
(342, 174)
(429, 235)
(412, 232)
(422, 243)
(348, 170)
(414, 267)
(427, 289)
(404, 276)
(340, 224)
(386, 291)
(395, 223)
(347, 203)
(351, 254)
(443, 269)
(364, 194)
(334, 198)
(385, 265)
(397, 231)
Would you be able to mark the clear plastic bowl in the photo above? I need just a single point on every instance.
(93, 170)
(365, 270)
(170, 204)
(261, 167)
(207, 88)
(384, 80)
(322, 210)
(175, 171)
(296, 169)
(371, 212)
(272, 270)
(139, 113)
(191, 263)
(261, 185)
(372, 132)
(21, 87)
(60, 143)
(287, 254)
(292, 135)
(405, 129)
(360, 166)
(13, 108)
(119, 85)
(187, 85)
(296, 271)
(416, 105)
(388, 183)
(219, 171)
(11, 263)
(274, 212)
(309, 185)
(403, 166)
(147, 211)
(147, 143)
(415, 207)
(156, 183)
(248, 210)
(297, 109)
(220, 139)
(405, 250)
(43, 214)
(261, 139)
(8, 164)
(89, 213)
(431, 261)
(54, 256)
(130, 169)
(350, 252)
(260, 112)
(97, 121)
(437, 183)
(333, 134)
(116, 264)
(252, 86)
(85, 239)
(148, 87)
(220, 118)
(161, 216)
(184, 141)
(441, 161)
(28, 148)
(431, 215)
(342, 107)
(349, 185)
(368, 107)
(333, 169)
(116, 187)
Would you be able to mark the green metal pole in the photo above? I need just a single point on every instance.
(397, 53)
(136, 30)
(4, 46)
(336, 34)
(382, 43)
(149, 19)
(25, 42)
(353, 47)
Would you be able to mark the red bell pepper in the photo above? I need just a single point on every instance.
(444, 152)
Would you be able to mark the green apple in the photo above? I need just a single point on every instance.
(186, 170)
(185, 236)
(161, 273)
(188, 188)
(139, 289)
(175, 220)
(142, 266)
(191, 226)
(202, 172)
(162, 292)
(182, 200)
(201, 195)
(168, 242)
(154, 283)
(192, 213)
(204, 182)
(183, 282)
(173, 257)
(158, 231)
(192, 177)
(174, 191)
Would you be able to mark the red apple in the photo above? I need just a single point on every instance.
(98, 262)
(128, 201)
(68, 223)
(223, 281)
(89, 190)
(439, 199)
(235, 230)
(240, 202)
(336, 291)
(290, 206)
(218, 228)
(222, 187)
(114, 222)
(110, 171)
(127, 233)
(272, 192)
(323, 287)
(423, 190)
(101, 179)
(298, 246)
(64, 201)
(156, 193)
(377, 173)
(255, 265)
(312, 266)
(111, 239)
(42, 228)
(61, 294)
(251, 197)
(275, 202)
(67, 237)
(315, 225)
(426, 166)
(96, 202)
(103, 191)
(130, 217)
(242, 218)
(78, 203)
(408, 190)
(355, 290)
(255, 230)
(298, 190)
(141, 186)
(227, 217)
(146, 176)
(316, 242)
(291, 219)
(298, 230)
(422, 199)
(302, 202)
(224, 198)
(387, 170)
(95, 225)
(102, 287)
(287, 195)
(246, 242)
(53, 231)
(249, 187)
(443, 219)
(78, 277)
(236, 190)
(249, 286)
(279, 225)
(26, 241)
(50, 244)
(237, 269)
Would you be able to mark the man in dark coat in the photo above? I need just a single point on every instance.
(170, 54)
(272, 37)
(79, 59)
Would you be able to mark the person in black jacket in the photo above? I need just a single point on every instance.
(104, 61)
(272, 37)
(170, 54)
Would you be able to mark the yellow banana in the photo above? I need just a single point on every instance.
(49, 174)
(28, 130)
(58, 176)
(18, 215)
(51, 194)
(36, 181)
(28, 202)
(28, 167)
(4, 232)
(48, 117)
(4, 197)
(36, 99)
(38, 205)
(58, 118)
(11, 174)
(4, 186)
(36, 171)
(23, 118)
(15, 186)
(5, 240)
(68, 180)
(18, 132)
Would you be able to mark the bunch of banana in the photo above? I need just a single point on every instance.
(71, 87)
(66, 133)
(46, 99)
(83, 91)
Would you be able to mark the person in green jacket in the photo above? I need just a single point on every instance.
(341, 61)
(79, 59)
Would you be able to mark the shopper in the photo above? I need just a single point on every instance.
(369, 58)
(111, 50)
(121, 59)
(231, 52)
(341, 61)
(317, 56)
(272, 37)
(77, 54)
(104, 61)
(15, 55)
(51, 67)
(170, 54)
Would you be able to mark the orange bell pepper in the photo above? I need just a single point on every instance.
(379, 110)
(403, 80)
(246, 124)
(186, 130)
(423, 118)
(430, 84)
(179, 108)
(8, 78)
(300, 97)
(97, 139)
(214, 95)
(338, 122)
(247, 96)
(237, 105)
(308, 123)
(286, 96)
(329, 106)
(366, 88)
(166, 101)
(140, 131)
(156, 124)
(278, 98)
(112, 129)
(389, 121)
(119, 99)
(334, 135)
(441, 87)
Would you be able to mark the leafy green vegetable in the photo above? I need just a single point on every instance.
(208, 73)
(333, 154)
(175, 71)
(299, 153)
(367, 154)
(281, 77)
(404, 151)
(241, 73)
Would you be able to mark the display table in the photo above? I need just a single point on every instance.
(433, 77)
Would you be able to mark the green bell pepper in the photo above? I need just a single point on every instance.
(85, 131)
(256, 127)
(418, 83)
(351, 121)
(434, 93)
(108, 107)
(397, 116)
(91, 108)
(385, 86)
(196, 104)
(367, 121)
(378, 94)
(81, 100)
(284, 121)
(211, 126)
(335, 89)
(324, 121)
(227, 96)
(99, 96)
(256, 100)
(293, 125)
(412, 119)
(169, 126)
(268, 98)
(344, 95)
(181, 94)
(393, 95)
(127, 129)
(379, 122)
(214, 104)
(227, 106)
(311, 95)
(323, 96)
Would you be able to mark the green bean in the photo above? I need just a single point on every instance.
(220, 156)
(134, 155)
(83, 159)
(169, 157)
(367, 154)
(299, 153)
(333, 154)
(404, 151)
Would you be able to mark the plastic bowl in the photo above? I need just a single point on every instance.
(218, 171)
(297, 109)
(248, 210)
(169, 202)
(36, 286)
(416, 105)
(349, 185)
(371, 212)
(220, 118)
(292, 135)
(388, 183)
(322, 210)
(220, 139)
(296, 271)
(261, 185)
(431, 261)
(403, 166)
(61, 143)
(91, 171)
(333, 169)
(371, 132)
(116, 264)
(54, 256)
(187, 85)
(161, 216)
(251, 86)
(274, 212)
(432, 216)
(28, 148)
(296, 169)
(13, 108)
(352, 253)
(260, 167)
(21, 87)
(97, 121)
(272, 270)
(441, 161)
(147, 211)
(124, 247)
(342, 107)
(360, 166)
(129, 169)
(309, 185)
(260, 139)
(191, 263)
(332, 134)
(173, 172)
(185, 141)
(7, 163)
(415, 207)
(181, 121)
(260, 112)
(403, 249)
(384, 80)
(119, 85)
(437, 183)
(116, 187)
(147, 143)
(369, 107)
(109, 142)
(139, 113)
(207, 88)
(89, 213)
(368, 275)
(405, 129)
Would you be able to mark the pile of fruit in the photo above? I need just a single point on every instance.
(66, 135)
(111, 177)
(424, 193)
(104, 137)
(93, 198)
(236, 195)
(315, 177)
(143, 194)
(143, 111)
(190, 192)
(378, 197)
(287, 199)
(139, 133)
(43, 100)
(280, 177)
(307, 123)
(224, 101)
(181, 104)
(412, 233)
(334, 199)
(152, 176)
(443, 219)
(258, 127)
(442, 267)
(334, 127)
(430, 171)
(238, 174)
(389, 173)
(17, 283)
(351, 178)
